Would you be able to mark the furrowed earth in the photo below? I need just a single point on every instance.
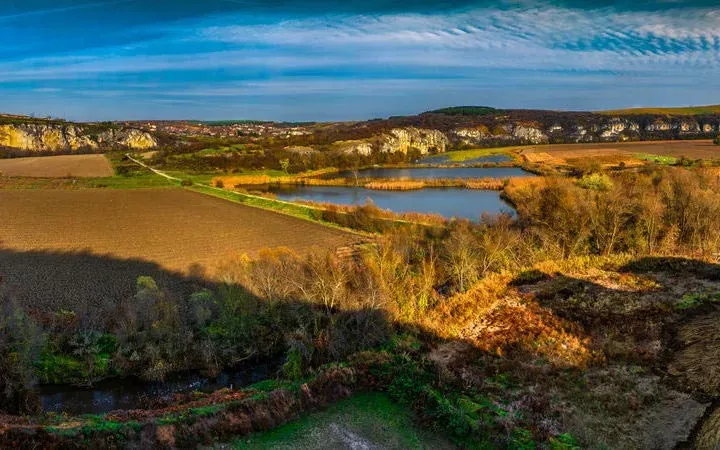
(631, 153)
(83, 166)
(54, 241)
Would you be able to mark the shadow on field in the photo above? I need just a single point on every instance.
(46, 282)
(674, 265)
(550, 337)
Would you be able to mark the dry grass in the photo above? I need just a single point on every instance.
(698, 360)
(85, 166)
(173, 228)
(387, 184)
(401, 185)
(709, 436)
(495, 318)
(301, 178)
(613, 153)
(490, 184)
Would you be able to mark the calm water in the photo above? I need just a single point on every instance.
(448, 172)
(115, 394)
(450, 202)
(445, 159)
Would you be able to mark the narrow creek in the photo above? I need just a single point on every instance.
(133, 393)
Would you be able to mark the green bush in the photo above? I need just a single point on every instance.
(596, 182)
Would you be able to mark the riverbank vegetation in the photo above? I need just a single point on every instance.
(248, 181)
(545, 330)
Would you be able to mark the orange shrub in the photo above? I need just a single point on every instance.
(402, 185)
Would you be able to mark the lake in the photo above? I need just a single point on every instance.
(448, 202)
(427, 173)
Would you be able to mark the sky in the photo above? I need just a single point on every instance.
(321, 60)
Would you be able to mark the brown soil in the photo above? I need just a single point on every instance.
(84, 166)
(171, 227)
(692, 149)
(613, 153)
(60, 247)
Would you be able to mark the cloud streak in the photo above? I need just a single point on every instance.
(239, 54)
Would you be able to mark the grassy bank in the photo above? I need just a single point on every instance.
(362, 218)
(459, 156)
(134, 181)
(367, 419)
(292, 209)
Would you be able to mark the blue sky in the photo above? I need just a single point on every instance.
(342, 60)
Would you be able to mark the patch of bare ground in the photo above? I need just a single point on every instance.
(83, 166)
(58, 246)
(148, 155)
(175, 228)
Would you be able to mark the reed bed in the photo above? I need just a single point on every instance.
(255, 179)
(259, 180)
(400, 185)
(371, 210)
(489, 184)
(390, 184)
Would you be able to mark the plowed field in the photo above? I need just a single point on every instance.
(57, 246)
(616, 152)
(86, 166)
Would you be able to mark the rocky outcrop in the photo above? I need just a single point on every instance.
(618, 129)
(529, 134)
(55, 137)
(472, 135)
(128, 137)
(353, 147)
(509, 133)
(406, 139)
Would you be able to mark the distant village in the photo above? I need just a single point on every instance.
(259, 129)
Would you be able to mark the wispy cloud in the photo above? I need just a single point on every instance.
(348, 55)
(61, 9)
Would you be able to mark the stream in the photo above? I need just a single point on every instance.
(133, 393)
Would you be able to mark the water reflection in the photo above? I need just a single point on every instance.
(116, 394)
(450, 202)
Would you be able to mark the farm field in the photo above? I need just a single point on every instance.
(684, 111)
(53, 241)
(616, 152)
(85, 166)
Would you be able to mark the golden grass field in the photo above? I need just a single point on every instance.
(616, 152)
(85, 166)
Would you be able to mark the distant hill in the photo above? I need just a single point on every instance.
(466, 111)
(683, 111)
